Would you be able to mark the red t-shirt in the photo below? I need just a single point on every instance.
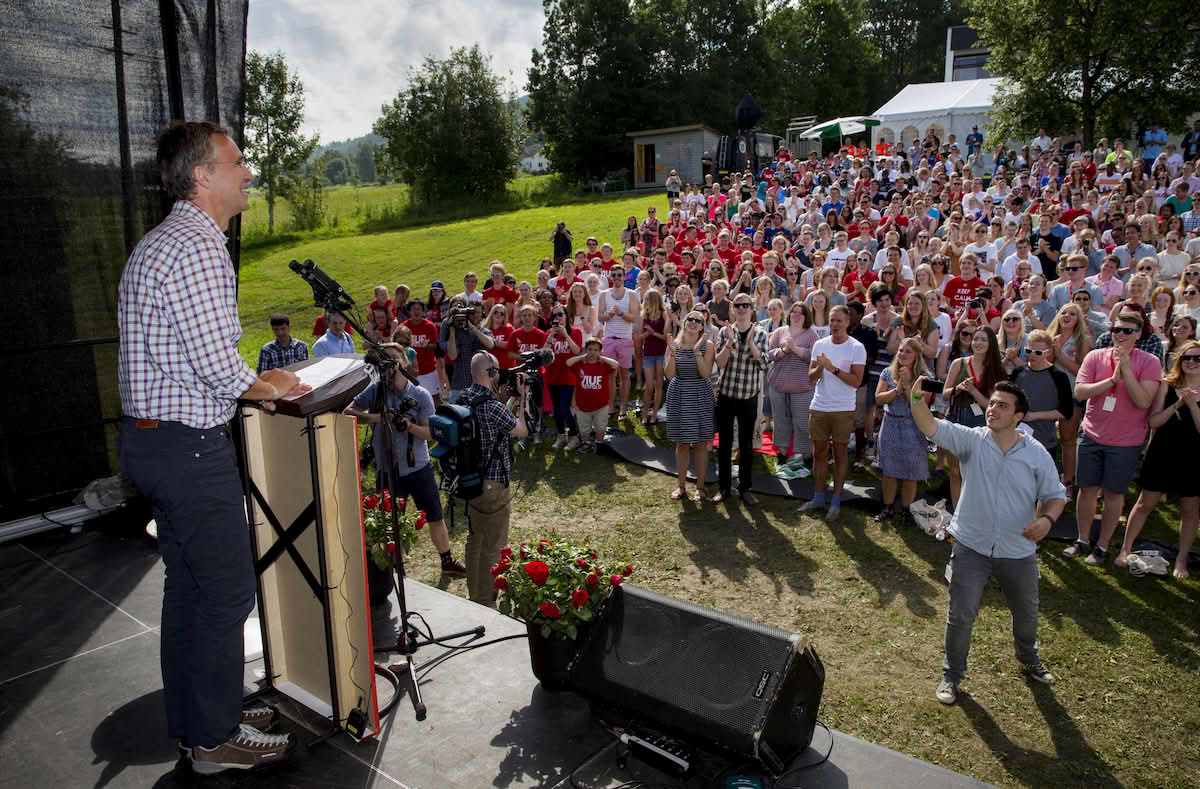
(591, 389)
(558, 373)
(560, 285)
(850, 279)
(319, 327)
(730, 254)
(425, 342)
(1068, 217)
(522, 340)
(959, 291)
(503, 294)
(676, 259)
(503, 352)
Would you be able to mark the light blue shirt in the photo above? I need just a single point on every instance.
(1061, 294)
(330, 344)
(1000, 489)
(400, 441)
(1153, 142)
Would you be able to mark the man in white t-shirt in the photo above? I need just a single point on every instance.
(984, 250)
(891, 239)
(975, 191)
(838, 364)
(1008, 269)
(1042, 141)
(618, 311)
(841, 251)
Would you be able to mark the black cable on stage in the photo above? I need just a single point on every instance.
(777, 783)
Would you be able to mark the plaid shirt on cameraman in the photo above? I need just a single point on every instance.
(178, 318)
(741, 377)
(273, 355)
(492, 420)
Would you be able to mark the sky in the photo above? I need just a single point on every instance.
(353, 56)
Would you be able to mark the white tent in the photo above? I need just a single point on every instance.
(946, 107)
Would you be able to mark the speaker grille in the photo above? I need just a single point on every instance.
(699, 671)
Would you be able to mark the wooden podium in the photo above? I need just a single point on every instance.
(301, 478)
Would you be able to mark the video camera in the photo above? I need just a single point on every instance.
(399, 416)
(460, 316)
(531, 362)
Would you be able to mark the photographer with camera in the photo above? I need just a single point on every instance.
(464, 338)
(488, 513)
(404, 467)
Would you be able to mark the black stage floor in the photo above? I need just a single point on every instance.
(81, 698)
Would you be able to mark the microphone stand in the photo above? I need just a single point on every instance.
(330, 296)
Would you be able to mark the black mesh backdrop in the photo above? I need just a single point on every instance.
(84, 87)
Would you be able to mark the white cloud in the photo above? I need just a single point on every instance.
(354, 56)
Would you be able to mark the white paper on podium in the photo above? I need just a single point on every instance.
(327, 369)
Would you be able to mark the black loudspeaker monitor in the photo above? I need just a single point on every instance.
(706, 676)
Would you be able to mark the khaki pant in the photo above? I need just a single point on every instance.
(488, 517)
(592, 424)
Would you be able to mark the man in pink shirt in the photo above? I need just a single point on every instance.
(1118, 384)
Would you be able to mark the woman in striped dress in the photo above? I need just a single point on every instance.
(690, 402)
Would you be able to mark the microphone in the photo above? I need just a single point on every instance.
(327, 292)
(537, 358)
(387, 364)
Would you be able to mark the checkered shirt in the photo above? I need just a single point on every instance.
(1191, 220)
(274, 355)
(742, 376)
(177, 312)
(492, 420)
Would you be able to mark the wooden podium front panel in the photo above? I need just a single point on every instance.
(277, 454)
(345, 554)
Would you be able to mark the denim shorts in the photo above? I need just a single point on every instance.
(648, 362)
(1101, 466)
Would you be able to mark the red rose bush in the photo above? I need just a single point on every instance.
(377, 527)
(554, 584)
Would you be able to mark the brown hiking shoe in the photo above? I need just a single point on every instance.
(455, 568)
(249, 749)
(262, 717)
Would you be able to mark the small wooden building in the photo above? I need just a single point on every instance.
(656, 152)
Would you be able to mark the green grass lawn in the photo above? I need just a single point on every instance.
(872, 599)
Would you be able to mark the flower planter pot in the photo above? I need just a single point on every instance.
(550, 657)
(379, 582)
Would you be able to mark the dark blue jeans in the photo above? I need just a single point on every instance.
(745, 411)
(560, 399)
(191, 478)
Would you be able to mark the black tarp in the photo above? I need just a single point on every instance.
(84, 88)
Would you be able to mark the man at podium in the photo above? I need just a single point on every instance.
(404, 467)
(180, 377)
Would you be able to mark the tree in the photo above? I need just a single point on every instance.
(826, 66)
(275, 148)
(337, 168)
(364, 161)
(910, 37)
(1089, 64)
(590, 83)
(452, 110)
(307, 197)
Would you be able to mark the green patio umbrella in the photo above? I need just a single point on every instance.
(840, 127)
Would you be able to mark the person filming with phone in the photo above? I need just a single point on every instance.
(1011, 498)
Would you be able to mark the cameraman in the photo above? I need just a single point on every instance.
(464, 338)
(404, 468)
(488, 514)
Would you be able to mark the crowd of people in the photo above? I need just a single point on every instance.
(805, 299)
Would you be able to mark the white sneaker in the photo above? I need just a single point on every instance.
(573, 443)
(947, 692)
(560, 442)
